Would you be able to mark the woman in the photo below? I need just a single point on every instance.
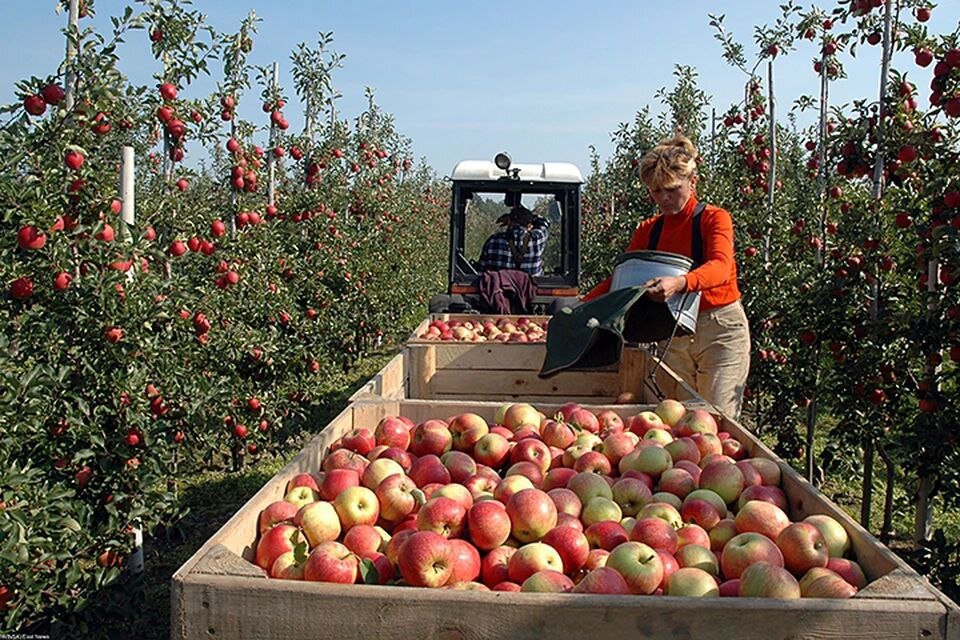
(715, 360)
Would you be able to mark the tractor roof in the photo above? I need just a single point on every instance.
(546, 172)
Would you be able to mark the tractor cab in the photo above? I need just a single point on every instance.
(483, 192)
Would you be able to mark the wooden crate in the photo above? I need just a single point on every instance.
(219, 593)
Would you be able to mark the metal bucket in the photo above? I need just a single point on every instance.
(655, 321)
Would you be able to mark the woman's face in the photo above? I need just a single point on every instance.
(672, 200)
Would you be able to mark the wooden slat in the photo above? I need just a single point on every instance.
(213, 606)
(603, 385)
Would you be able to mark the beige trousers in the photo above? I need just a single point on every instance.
(715, 360)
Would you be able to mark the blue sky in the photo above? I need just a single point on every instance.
(541, 80)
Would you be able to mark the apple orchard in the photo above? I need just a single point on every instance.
(260, 265)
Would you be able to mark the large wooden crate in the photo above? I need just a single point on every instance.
(492, 371)
(219, 593)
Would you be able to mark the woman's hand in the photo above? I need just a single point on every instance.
(662, 289)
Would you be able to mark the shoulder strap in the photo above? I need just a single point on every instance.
(655, 234)
(696, 241)
(696, 249)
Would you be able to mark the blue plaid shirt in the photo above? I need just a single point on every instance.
(496, 252)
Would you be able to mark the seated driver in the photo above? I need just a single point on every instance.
(519, 245)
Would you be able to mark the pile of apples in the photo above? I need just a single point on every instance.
(500, 329)
(658, 504)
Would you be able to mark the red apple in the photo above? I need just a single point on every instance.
(765, 580)
(849, 571)
(319, 522)
(494, 566)
(670, 411)
(745, 549)
(533, 557)
(803, 547)
(603, 580)
(655, 533)
(606, 534)
(392, 432)
(692, 582)
(466, 562)
(426, 559)
(336, 481)
(761, 517)
(275, 542)
(838, 542)
(532, 514)
(548, 581)
(488, 524)
(431, 438)
(493, 449)
(428, 469)
(275, 513)
(443, 516)
(571, 545)
(332, 562)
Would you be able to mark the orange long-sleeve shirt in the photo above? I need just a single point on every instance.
(716, 278)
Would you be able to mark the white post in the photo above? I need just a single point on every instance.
(136, 556)
(127, 174)
(271, 158)
(73, 27)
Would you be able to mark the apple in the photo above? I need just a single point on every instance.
(643, 422)
(548, 581)
(600, 509)
(692, 534)
(639, 564)
(529, 470)
(511, 485)
(721, 534)
(501, 412)
(683, 449)
(566, 501)
(506, 585)
(456, 492)
(691, 582)
(603, 580)
(460, 465)
(319, 522)
(572, 546)
(566, 411)
(337, 481)
(299, 496)
(709, 496)
(428, 469)
(610, 423)
(695, 421)
(466, 430)
(573, 452)
(493, 566)
(584, 420)
(426, 559)
(724, 478)
(480, 486)
(392, 432)
(332, 562)
(443, 516)
(730, 588)
(519, 415)
(694, 555)
(359, 440)
(662, 437)
(290, 565)
(303, 480)
(532, 514)
(652, 461)
(489, 524)
(751, 475)
(761, 517)
(812, 575)
(534, 451)
(768, 469)
(593, 462)
(365, 540)
(631, 495)
(431, 438)
(617, 445)
(492, 450)
(745, 549)
(690, 467)
(274, 543)
(557, 434)
(466, 562)
(838, 542)
(379, 469)
(733, 449)
(668, 498)
(557, 478)
(803, 547)
(530, 558)
(345, 459)
(700, 512)
(670, 566)
(403, 458)
(275, 513)
(398, 497)
(589, 485)
(849, 571)
(829, 586)
(606, 534)
(765, 580)
(656, 533)
(708, 444)
(765, 493)
(677, 481)
(357, 505)
(670, 411)
(666, 512)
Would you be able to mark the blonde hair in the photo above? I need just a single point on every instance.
(668, 163)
